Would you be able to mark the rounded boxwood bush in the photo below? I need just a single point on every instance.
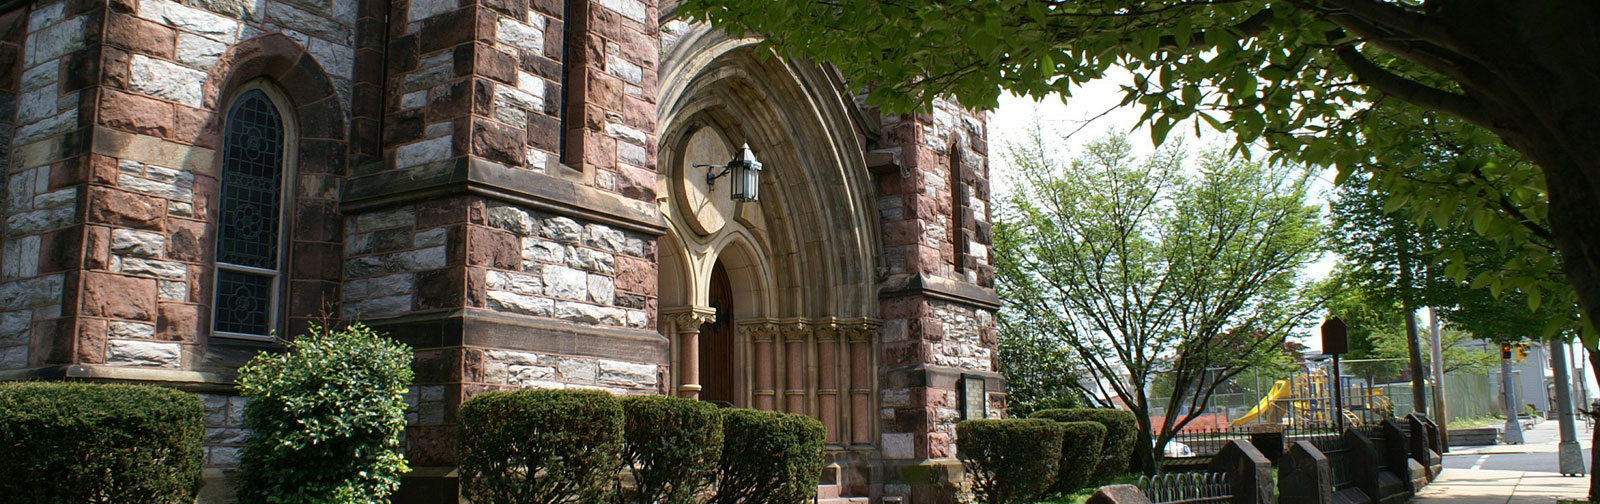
(672, 445)
(1080, 454)
(768, 458)
(1009, 460)
(540, 446)
(72, 443)
(1122, 433)
(325, 419)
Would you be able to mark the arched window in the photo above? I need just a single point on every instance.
(255, 150)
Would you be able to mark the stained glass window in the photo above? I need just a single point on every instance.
(248, 221)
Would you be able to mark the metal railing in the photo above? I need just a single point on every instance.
(1187, 488)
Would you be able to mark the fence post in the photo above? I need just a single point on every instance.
(1249, 473)
(1118, 494)
(1420, 451)
(1363, 462)
(1269, 439)
(1411, 473)
(1305, 475)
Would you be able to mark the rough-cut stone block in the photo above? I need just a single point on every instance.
(166, 80)
(510, 302)
(1118, 494)
(423, 152)
(613, 372)
(584, 313)
(566, 283)
(137, 243)
(143, 353)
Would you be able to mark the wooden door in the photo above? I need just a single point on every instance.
(716, 342)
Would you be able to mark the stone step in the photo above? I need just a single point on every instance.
(845, 500)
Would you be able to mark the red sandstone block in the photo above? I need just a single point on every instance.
(493, 248)
(179, 322)
(137, 114)
(499, 143)
(118, 297)
(91, 341)
(140, 36)
(125, 209)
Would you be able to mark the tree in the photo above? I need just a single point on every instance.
(1041, 372)
(1462, 351)
(1143, 271)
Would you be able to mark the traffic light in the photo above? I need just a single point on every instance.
(1522, 351)
(1505, 351)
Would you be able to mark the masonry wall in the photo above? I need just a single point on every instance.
(938, 302)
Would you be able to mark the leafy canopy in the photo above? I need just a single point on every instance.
(1144, 271)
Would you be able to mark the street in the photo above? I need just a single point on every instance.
(1537, 455)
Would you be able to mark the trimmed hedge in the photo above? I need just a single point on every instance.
(540, 446)
(72, 443)
(672, 446)
(769, 458)
(1009, 460)
(1081, 444)
(325, 419)
(1122, 433)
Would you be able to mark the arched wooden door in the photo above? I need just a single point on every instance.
(716, 342)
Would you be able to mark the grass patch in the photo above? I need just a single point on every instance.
(1478, 422)
(1082, 495)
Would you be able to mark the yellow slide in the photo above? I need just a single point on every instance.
(1280, 390)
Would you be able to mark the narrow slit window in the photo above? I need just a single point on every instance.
(248, 231)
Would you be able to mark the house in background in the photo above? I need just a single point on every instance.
(517, 189)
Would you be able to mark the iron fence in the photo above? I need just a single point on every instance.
(1187, 488)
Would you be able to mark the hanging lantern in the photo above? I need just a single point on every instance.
(745, 172)
(746, 175)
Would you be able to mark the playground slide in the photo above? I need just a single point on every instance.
(1280, 390)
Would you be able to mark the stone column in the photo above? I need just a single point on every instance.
(687, 324)
(860, 386)
(794, 365)
(762, 335)
(828, 381)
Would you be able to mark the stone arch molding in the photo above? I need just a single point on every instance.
(812, 241)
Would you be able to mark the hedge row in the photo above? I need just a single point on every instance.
(1122, 433)
(566, 446)
(1011, 460)
(72, 443)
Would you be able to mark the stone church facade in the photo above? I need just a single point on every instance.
(516, 188)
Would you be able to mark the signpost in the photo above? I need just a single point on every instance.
(1335, 341)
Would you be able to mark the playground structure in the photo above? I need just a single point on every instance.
(1305, 399)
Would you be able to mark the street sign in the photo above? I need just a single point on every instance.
(1335, 339)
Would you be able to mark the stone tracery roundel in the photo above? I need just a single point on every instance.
(707, 207)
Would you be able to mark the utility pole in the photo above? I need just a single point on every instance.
(1571, 453)
(1437, 359)
(1419, 391)
(1508, 388)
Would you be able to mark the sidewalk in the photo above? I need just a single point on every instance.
(1465, 486)
(1484, 486)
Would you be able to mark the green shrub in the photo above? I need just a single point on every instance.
(1122, 433)
(1081, 444)
(1011, 460)
(325, 419)
(672, 444)
(540, 446)
(72, 443)
(768, 458)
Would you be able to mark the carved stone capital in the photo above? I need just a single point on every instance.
(759, 331)
(689, 319)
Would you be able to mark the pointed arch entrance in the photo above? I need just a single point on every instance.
(774, 302)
